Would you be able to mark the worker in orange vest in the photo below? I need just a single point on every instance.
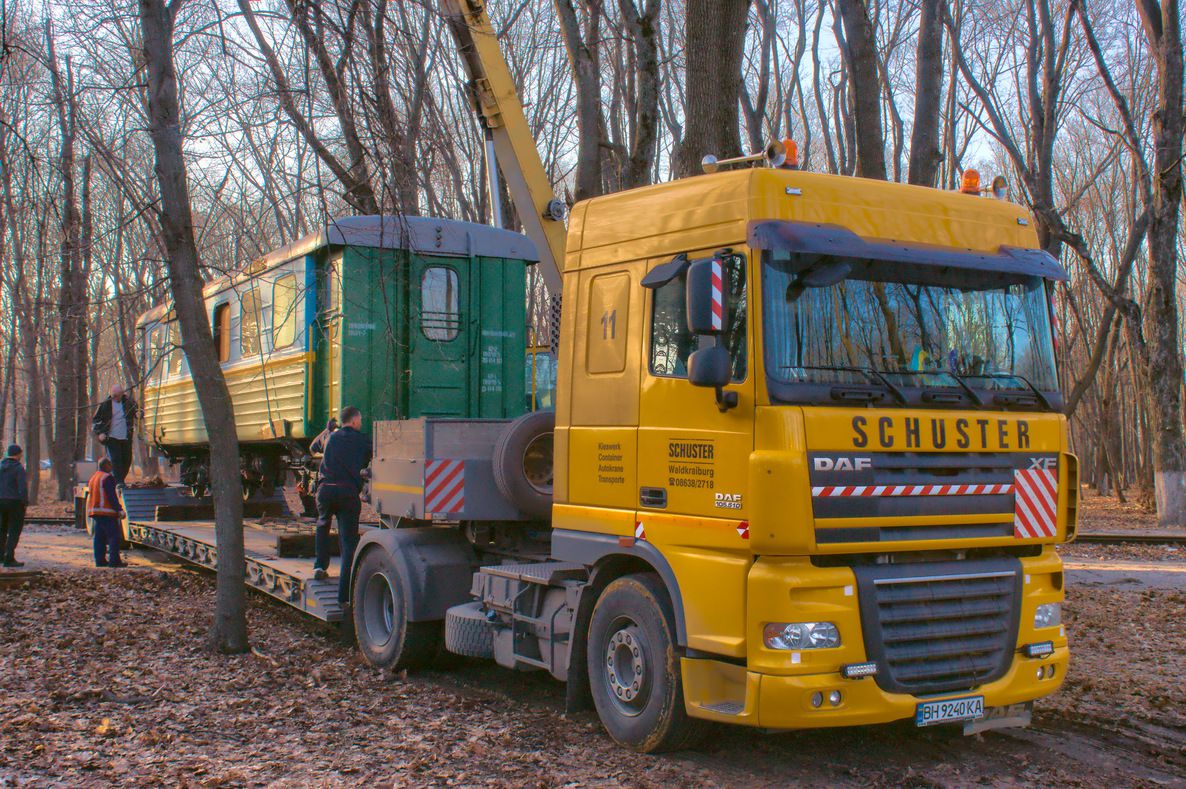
(103, 507)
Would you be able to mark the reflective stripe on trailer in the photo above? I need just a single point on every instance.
(444, 487)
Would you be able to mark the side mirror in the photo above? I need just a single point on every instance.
(706, 296)
(711, 366)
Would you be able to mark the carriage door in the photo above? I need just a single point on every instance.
(330, 324)
(440, 375)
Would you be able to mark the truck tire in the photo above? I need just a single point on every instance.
(385, 637)
(523, 463)
(468, 632)
(634, 669)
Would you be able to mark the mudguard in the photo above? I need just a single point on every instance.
(436, 566)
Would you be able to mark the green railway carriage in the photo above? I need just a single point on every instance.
(400, 316)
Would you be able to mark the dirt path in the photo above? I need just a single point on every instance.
(106, 681)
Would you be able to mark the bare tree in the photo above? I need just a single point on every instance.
(712, 82)
(229, 630)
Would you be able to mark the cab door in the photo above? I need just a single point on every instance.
(693, 459)
(439, 335)
(692, 456)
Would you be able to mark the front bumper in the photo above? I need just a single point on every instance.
(775, 689)
(711, 690)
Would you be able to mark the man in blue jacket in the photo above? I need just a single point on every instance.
(14, 496)
(347, 453)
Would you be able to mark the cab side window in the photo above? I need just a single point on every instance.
(672, 343)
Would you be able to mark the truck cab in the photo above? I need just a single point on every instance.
(883, 454)
(808, 467)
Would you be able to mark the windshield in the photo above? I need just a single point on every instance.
(929, 333)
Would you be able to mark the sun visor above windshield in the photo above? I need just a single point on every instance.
(839, 242)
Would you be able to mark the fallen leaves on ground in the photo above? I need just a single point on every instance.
(106, 680)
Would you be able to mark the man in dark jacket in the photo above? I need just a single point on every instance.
(114, 425)
(14, 496)
(347, 453)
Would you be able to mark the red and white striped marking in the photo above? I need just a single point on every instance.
(1035, 503)
(444, 487)
(743, 530)
(718, 295)
(640, 531)
(833, 491)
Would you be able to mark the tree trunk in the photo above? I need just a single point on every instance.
(71, 312)
(715, 33)
(229, 630)
(644, 34)
(1162, 22)
(925, 154)
(586, 72)
(864, 83)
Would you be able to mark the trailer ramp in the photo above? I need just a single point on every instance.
(289, 580)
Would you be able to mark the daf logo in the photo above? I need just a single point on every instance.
(1043, 463)
(843, 464)
(727, 501)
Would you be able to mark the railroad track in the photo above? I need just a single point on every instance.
(1120, 537)
(62, 521)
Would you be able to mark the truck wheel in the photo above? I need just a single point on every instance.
(385, 636)
(468, 632)
(634, 671)
(523, 463)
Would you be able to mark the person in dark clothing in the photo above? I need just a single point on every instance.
(114, 425)
(104, 509)
(347, 453)
(14, 497)
(317, 446)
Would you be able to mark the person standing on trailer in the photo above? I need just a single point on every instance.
(347, 453)
(103, 507)
(114, 424)
(14, 496)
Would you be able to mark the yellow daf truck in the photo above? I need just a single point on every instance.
(807, 465)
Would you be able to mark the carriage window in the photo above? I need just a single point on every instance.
(249, 323)
(284, 305)
(222, 330)
(156, 352)
(175, 352)
(440, 318)
(672, 343)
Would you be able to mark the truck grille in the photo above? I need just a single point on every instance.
(939, 627)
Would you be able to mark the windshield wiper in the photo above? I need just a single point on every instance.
(855, 390)
(976, 399)
(1040, 398)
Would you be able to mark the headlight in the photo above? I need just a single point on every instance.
(801, 635)
(1048, 615)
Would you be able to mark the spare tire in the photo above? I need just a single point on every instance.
(523, 463)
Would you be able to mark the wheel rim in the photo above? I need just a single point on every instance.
(378, 609)
(537, 463)
(626, 672)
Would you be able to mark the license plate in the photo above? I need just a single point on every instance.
(968, 708)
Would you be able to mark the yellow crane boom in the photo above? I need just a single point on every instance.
(507, 133)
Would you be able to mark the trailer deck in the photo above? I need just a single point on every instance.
(288, 579)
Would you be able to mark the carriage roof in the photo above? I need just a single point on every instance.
(425, 235)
